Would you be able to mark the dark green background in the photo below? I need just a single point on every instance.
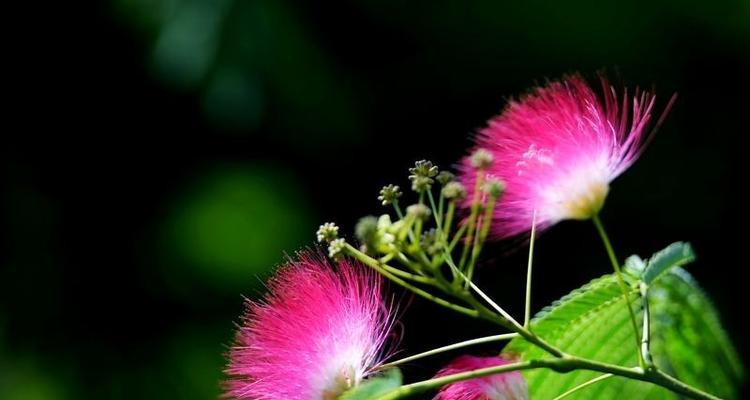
(160, 157)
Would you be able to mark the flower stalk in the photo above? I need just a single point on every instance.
(527, 303)
(562, 365)
(454, 346)
(621, 282)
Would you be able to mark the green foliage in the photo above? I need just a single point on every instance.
(674, 255)
(246, 60)
(232, 226)
(687, 340)
(375, 386)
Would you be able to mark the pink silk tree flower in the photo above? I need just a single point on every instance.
(319, 331)
(557, 149)
(503, 386)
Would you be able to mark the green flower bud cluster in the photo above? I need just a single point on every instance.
(422, 175)
(454, 191)
(327, 232)
(423, 230)
(381, 235)
(389, 194)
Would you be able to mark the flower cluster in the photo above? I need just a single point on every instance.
(557, 150)
(324, 327)
(319, 331)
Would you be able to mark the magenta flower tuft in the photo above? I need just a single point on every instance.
(504, 386)
(318, 332)
(557, 149)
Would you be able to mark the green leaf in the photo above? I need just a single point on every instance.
(634, 265)
(674, 255)
(592, 322)
(688, 334)
(375, 387)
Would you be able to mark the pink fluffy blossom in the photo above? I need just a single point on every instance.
(320, 330)
(557, 149)
(504, 386)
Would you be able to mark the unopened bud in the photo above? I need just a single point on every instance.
(424, 168)
(327, 232)
(421, 175)
(454, 191)
(336, 248)
(366, 228)
(481, 159)
(389, 194)
(494, 187)
(420, 183)
(419, 211)
(444, 177)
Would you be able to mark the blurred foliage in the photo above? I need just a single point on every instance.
(245, 58)
(231, 226)
(25, 381)
(188, 366)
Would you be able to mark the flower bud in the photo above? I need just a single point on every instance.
(421, 175)
(454, 191)
(424, 168)
(494, 187)
(366, 228)
(336, 248)
(420, 183)
(418, 211)
(389, 194)
(481, 159)
(445, 177)
(327, 232)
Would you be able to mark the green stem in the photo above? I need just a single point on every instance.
(404, 274)
(475, 204)
(466, 343)
(403, 259)
(371, 262)
(483, 229)
(620, 281)
(441, 208)
(457, 237)
(438, 216)
(472, 260)
(501, 317)
(469, 299)
(449, 218)
(562, 365)
(417, 238)
(492, 304)
(398, 209)
(583, 385)
(527, 308)
(529, 336)
(423, 386)
(435, 210)
(672, 383)
(646, 336)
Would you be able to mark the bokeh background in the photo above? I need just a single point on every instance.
(161, 156)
